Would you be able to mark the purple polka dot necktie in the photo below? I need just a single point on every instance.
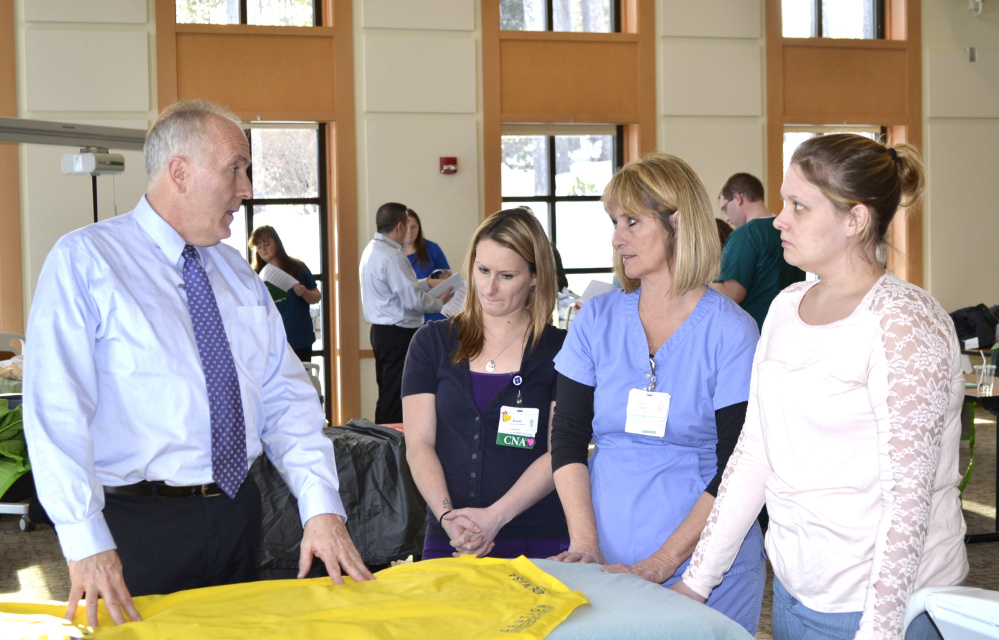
(224, 401)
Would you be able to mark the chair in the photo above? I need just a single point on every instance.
(313, 371)
(961, 613)
(8, 345)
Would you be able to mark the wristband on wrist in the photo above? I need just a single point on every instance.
(440, 520)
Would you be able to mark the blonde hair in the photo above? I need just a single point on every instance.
(518, 230)
(657, 186)
(850, 169)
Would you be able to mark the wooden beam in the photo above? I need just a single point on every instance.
(343, 223)
(11, 291)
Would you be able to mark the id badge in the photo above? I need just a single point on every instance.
(517, 427)
(647, 413)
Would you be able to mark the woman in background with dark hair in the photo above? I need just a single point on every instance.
(268, 249)
(425, 255)
(477, 396)
(853, 427)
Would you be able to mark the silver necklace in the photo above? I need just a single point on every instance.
(491, 365)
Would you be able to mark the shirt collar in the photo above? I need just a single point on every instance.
(389, 241)
(166, 237)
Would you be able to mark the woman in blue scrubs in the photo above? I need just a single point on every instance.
(657, 375)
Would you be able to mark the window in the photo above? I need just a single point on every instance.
(285, 13)
(561, 177)
(287, 169)
(581, 16)
(863, 19)
(794, 136)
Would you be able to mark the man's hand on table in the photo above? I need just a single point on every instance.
(327, 538)
(100, 576)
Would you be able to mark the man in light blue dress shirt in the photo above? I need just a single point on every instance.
(394, 302)
(115, 399)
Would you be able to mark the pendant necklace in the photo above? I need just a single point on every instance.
(491, 365)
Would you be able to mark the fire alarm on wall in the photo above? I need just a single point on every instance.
(449, 165)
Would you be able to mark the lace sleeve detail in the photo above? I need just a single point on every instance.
(919, 349)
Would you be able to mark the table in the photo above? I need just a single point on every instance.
(992, 404)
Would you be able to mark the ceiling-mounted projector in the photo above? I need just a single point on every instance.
(94, 163)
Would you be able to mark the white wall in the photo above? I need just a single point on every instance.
(711, 93)
(961, 138)
(418, 94)
(65, 54)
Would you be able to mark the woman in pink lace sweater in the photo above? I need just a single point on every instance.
(853, 425)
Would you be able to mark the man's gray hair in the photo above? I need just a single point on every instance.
(179, 131)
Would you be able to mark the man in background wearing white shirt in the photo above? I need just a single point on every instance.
(394, 302)
(158, 371)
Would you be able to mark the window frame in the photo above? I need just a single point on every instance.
(321, 201)
(615, 18)
(317, 14)
(551, 199)
(879, 19)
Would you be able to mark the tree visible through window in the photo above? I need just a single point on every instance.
(581, 16)
(285, 13)
(286, 170)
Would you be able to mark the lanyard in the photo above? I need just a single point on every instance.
(651, 376)
(518, 380)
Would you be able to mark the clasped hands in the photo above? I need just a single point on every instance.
(472, 531)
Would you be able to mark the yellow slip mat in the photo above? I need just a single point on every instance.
(450, 598)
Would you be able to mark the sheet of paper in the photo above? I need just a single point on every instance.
(454, 281)
(453, 306)
(280, 279)
(595, 288)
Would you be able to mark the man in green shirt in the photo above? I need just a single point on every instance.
(753, 270)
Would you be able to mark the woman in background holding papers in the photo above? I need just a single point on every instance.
(477, 395)
(657, 374)
(294, 308)
(425, 256)
(853, 428)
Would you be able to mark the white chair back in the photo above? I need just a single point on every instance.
(12, 342)
(960, 613)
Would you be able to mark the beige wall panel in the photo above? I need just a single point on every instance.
(452, 15)
(562, 89)
(279, 84)
(109, 11)
(411, 74)
(712, 79)
(961, 222)
(53, 203)
(949, 25)
(958, 88)
(715, 19)
(403, 166)
(86, 70)
(814, 77)
(715, 150)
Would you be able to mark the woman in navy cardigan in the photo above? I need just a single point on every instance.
(478, 393)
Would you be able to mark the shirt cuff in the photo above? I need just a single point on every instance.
(319, 499)
(81, 540)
